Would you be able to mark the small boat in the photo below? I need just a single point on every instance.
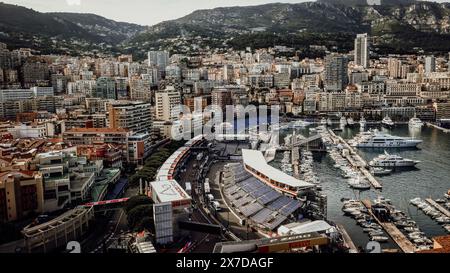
(380, 171)
(376, 233)
(387, 121)
(415, 123)
(380, 239)
(367, 230)
(359, 184)
(300, 124)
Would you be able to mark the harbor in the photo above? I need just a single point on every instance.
(336, 186)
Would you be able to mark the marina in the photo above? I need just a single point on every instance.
(398, 237)
(355, 161)
(438, 207)
(336, 186)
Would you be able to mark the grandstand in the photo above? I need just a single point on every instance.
(256, 201)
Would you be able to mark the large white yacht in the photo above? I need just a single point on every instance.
(392, 161)
(415, 123)
(381, 140)
(387, 121)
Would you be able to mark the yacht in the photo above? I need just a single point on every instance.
(382, 140)
(362, 122)
(415, 123)
(359, 183)
(380, 239)
(387, 121)
(350, 122)
(300, 124)
(392, 161)
(380, 171)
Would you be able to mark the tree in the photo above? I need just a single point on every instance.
(136, 201)
(136, 215)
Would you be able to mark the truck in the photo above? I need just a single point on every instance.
(188, 188)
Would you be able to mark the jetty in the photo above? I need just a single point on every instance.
(347, 240)
(438, 127)
(397, 236)
(355, 160)
(438, 207)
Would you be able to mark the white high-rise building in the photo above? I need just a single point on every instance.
(430, 64)
(167, 104)
(362, 57)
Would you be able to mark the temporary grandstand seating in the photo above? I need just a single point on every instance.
(256, 200)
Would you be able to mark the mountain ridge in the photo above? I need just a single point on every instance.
(403, 26)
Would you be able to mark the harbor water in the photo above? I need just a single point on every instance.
(431, 178)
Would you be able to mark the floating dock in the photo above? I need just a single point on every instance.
(438, 127)
(438, 207)
(347, 240)
(398, 237)
(356, 160)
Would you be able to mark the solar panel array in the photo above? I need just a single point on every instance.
(255, 199)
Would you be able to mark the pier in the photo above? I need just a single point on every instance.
(347, 240)
(438, 127)
(356, 160)
(398, 237)
(438, 207)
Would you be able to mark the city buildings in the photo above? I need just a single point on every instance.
(70, 125)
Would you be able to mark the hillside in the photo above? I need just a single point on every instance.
(402, 25)
(60, 32)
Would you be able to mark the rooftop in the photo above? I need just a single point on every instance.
(256, 160)
(169, 191)
(97, 130)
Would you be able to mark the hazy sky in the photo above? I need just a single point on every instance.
(145, 12)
